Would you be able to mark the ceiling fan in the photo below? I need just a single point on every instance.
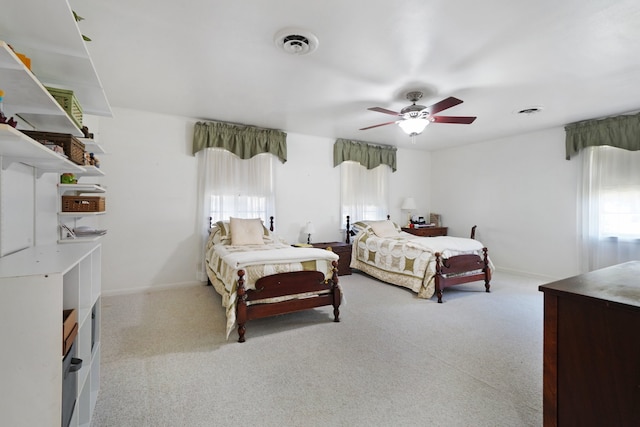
(414, 118)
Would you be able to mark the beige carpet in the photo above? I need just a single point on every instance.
(393, 360)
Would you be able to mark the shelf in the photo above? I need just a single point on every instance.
(92, 146)
(18, 147)
(90, 171)
(81, 188)
(27, 100)
(80, 214)
(84, 239)
(59, 56)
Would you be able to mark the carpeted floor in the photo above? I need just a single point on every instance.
(393, 360)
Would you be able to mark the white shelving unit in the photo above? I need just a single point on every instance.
(39, 282)
(77, 189)
(36, 284)
(46, 32)
(26, 97)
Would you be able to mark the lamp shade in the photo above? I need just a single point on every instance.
(309, 229)
(413, 126)
(408, 204)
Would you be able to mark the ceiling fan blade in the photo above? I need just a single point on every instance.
(381, 124)
(442, 105)
(384, 110)
(465, 120)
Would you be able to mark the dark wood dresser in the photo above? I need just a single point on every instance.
(426, 231)
(592, 348)
(343, 250)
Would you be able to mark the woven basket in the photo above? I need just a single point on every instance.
(68, 102)
(83, 204)
(72, 146)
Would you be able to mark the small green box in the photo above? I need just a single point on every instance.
(68, 102)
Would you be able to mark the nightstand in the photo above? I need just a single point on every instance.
(426, 231)
(343, 250)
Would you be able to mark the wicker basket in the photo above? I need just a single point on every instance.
(68, 102)
(72, 146)
(83, 204)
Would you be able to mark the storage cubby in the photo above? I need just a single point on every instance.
(36, 285)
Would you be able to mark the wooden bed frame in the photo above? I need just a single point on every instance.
(284, 284)
(455, 267)
(461, 264)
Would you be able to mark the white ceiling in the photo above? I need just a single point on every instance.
(217, 60)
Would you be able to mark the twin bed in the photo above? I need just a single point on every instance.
(259, 275)
(426, 265)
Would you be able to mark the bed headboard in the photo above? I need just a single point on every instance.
(350, 232)
(212, 222)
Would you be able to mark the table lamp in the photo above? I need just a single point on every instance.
(408, 204)
(309, 230)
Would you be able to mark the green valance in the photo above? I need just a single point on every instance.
(243, 141)
(620, 131)
(368, 155)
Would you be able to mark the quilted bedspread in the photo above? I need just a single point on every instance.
(407, 260)
(223, 262)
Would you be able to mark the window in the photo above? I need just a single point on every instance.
(236, 187)
(229, 186)
(364, 192)
(610, 206)
(239, 206)
(620, 212)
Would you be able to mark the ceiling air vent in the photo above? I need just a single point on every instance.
(530, 110)
(296, 41)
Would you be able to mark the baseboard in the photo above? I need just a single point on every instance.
(152, 288)
(526, 274)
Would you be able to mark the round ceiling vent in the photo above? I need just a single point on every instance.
(296, 41)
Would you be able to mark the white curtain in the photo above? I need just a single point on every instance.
(229, 186)
(610, 207)
(364, 192)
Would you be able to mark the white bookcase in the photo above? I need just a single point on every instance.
(36, 285)
(38, 282)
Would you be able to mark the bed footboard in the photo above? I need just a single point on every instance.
(323, 292)
(461, 269)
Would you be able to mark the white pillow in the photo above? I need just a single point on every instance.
(383, 228)
(246, 231)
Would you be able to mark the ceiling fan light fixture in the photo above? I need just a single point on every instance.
(413, 126)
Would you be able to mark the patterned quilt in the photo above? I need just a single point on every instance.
(404, 259)
(223, 261)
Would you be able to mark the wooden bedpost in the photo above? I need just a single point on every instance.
(487, 270)
(348, 240)
(241, 306)
(337, 292)
(438, 278)
(473, 232)
(271, 223)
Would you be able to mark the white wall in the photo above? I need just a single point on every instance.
(151, 197)
(521, 192)
(308, 188)
(151, 181)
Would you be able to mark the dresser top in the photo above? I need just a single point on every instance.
(617, 284)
